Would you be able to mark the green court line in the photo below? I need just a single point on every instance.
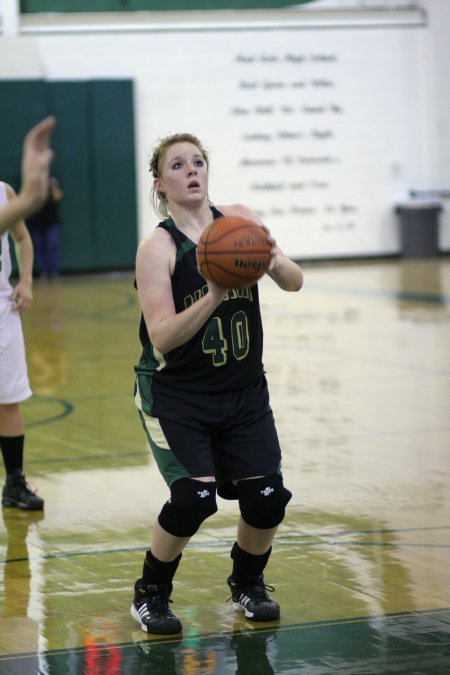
(86, 458)
(431, 613)
(225, 544)
(68, 409)
(404, 296)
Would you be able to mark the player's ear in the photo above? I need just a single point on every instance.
(158, 185)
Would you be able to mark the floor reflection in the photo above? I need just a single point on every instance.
(359, 369)
(19, 612)
(369, 645)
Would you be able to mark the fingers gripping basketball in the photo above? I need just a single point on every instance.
(233, 252)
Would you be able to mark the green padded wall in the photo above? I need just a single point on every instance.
(113, 172)
(22, 103)
(94, 162)
(33, 6)
(69, 102)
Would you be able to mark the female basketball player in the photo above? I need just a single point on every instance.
(202, 394)
(14, 386)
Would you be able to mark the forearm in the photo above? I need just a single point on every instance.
(176, 329)
(15, 210)
(24, 254)
(286, 273)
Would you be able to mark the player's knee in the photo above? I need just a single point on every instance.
(192, 501)
(262, 501)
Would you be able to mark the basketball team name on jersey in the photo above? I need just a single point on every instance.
(232, 294)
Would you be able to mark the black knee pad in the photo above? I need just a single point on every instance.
(263, 501)
(191, 502)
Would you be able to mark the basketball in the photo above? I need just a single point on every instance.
(233, 252)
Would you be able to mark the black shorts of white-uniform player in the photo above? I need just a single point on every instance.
(205, 409)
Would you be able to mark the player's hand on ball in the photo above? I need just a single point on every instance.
(216, 290)
(273, 250)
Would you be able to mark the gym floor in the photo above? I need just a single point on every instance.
(358, 365)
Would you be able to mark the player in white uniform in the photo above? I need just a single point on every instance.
(14, 385)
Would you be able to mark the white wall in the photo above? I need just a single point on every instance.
(438, 75)
(321, 128)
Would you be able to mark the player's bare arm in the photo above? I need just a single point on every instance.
(36, 160)
(167, 329)
(284, 271)
(22, 295)
(37, 156)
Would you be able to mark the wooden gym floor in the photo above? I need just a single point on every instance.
(359, 369)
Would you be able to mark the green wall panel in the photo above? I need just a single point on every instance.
(22, 104)
(94, 161)
(69, 103)
(112, 166)
(33, 6)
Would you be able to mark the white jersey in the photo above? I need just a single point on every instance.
(14, 384)
(5, 256)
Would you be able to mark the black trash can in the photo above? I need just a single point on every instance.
(419, 228)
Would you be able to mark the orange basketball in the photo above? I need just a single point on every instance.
(234, 252)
